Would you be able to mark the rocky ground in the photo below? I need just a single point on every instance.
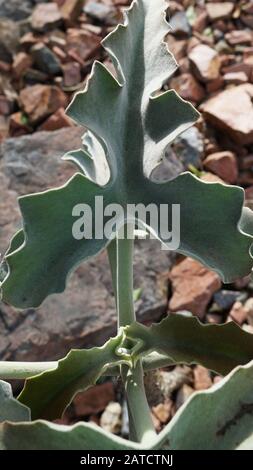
(46, 53)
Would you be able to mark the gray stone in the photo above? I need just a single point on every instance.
(169, 168)
(101, 12)
(32, 162)
(180, 25)
(9, 37)
(224, 299)
(189, 147)
(16, 9)
(45, 60)
(84, 315)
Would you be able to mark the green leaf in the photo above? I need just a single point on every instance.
(184, 339)
(220, 418)
(42, 435)
(217, 419)
(11, 409)
(130, 124)
(49, 393)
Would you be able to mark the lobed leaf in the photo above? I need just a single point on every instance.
(130, 123)
(49, 393)
(220, 348)
(216, 419)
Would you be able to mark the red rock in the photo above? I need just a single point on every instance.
(237, 37)
(246, 163)
(184, 65)
(58, 120)
(5, 106)
(82, 43)
(248, 307)
(21, 63)
(232, 112)
(39, 101)
(247, 20)
(188, 87)
(163, 411)
(224, 165)
(202, 379)
(214, 318)
(46, 16)
(18, 125)
(238, 313)
(211, 178)
(241, 67)
(59, 53)
(4, 67)
(94, 400)
(200, 22)
(219, 10)
(205, 63)
(193, 286)
(71, 74)
(177, 47)
(215, 85)
(236, 78)
(4, 128)
(71, 9)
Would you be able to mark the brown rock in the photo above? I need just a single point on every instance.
(4, 128)
(238, 37)
(188, 87)
(39, 101)
(71, 74)
(5, 67)
(238, 313)
(5, 106)
(46, 16)
(241, 67)
(211, 178)
(235, 78)
(200, 22)
(214, 318)
(202, 379)
(21, 63)
(205, 63)
(94, 400)
(219, 10)
(215, 85)
(177, 47)
(18, 125)
(224, 165)
(163, 411)
(193, 286)
(28, 40)
(82, 43)
(70, 10)
(248, 307)
(232, 112)
(58, 120)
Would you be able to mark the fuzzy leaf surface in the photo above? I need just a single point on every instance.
(131, 122)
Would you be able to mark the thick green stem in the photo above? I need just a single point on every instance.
(132, 377)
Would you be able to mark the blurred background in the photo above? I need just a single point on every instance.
(46, 53)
